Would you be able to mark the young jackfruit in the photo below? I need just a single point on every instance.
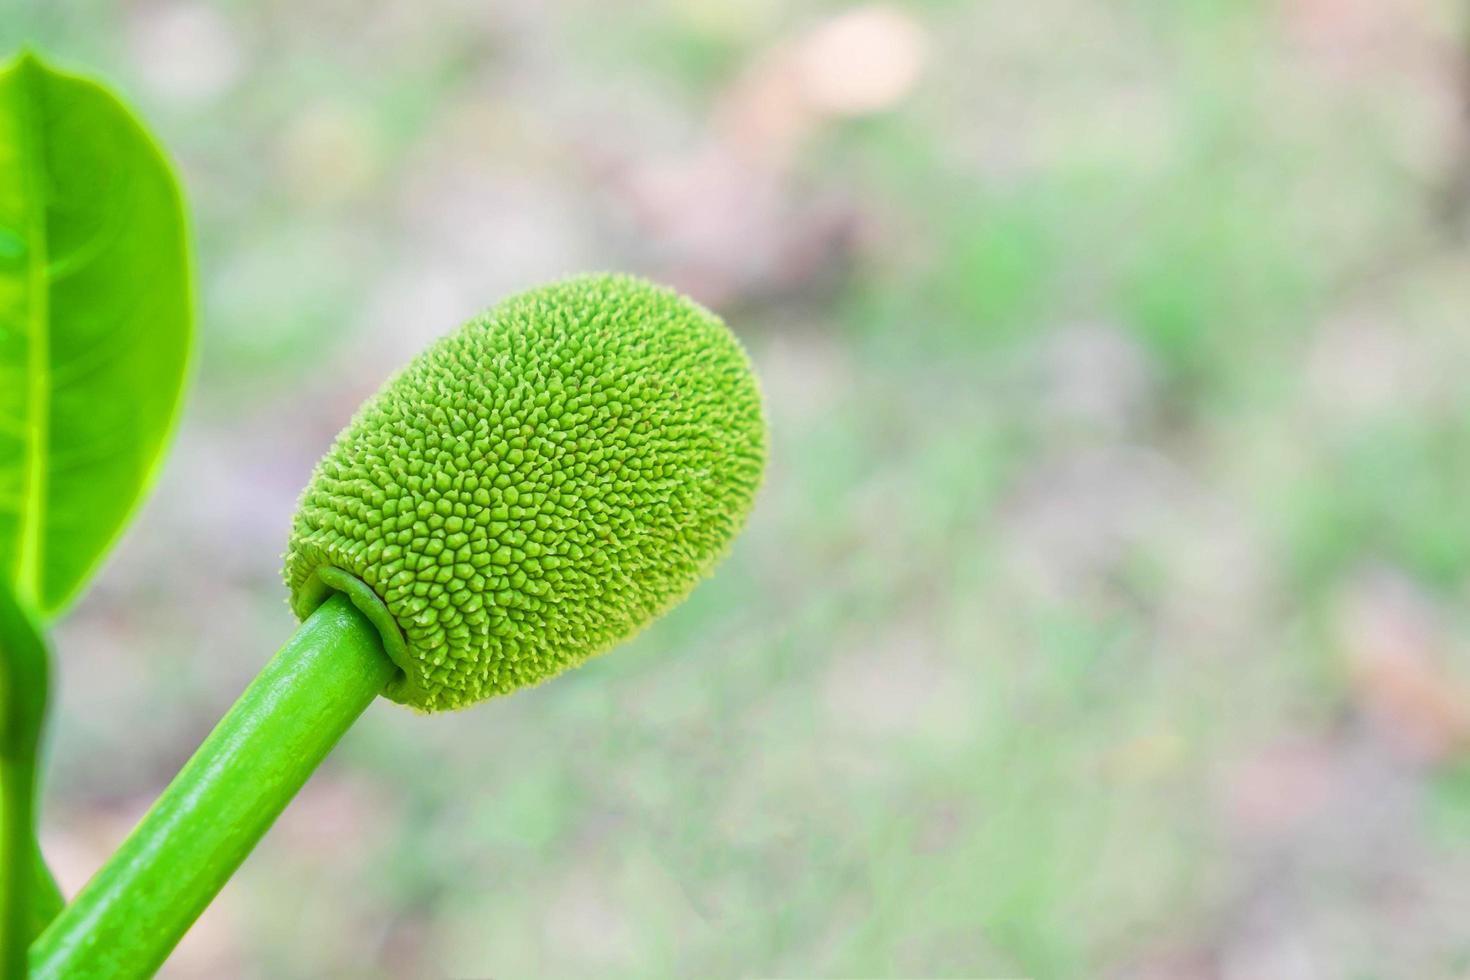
(535, 487)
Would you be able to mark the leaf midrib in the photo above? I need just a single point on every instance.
(33, 502)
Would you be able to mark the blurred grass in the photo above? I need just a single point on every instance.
(1104, 612)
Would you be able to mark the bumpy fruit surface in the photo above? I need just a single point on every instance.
(537, 486)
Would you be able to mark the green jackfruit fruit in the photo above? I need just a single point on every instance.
(535, 487)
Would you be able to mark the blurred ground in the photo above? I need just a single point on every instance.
(1105, 614)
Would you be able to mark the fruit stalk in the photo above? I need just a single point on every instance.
(28, 893)
(135, 909)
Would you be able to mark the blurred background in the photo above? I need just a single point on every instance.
(1107, 609)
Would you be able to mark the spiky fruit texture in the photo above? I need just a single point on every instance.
(537, 486)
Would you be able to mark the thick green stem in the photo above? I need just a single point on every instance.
(130, 915)
(46, 897)
(17, 784)
(29, 905)
(24, 673)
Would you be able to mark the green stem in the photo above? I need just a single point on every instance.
(24, 672)
(131, 914)
(17, 785)
(46, 897)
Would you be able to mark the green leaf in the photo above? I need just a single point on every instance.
(28, 895)
(95, 324)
